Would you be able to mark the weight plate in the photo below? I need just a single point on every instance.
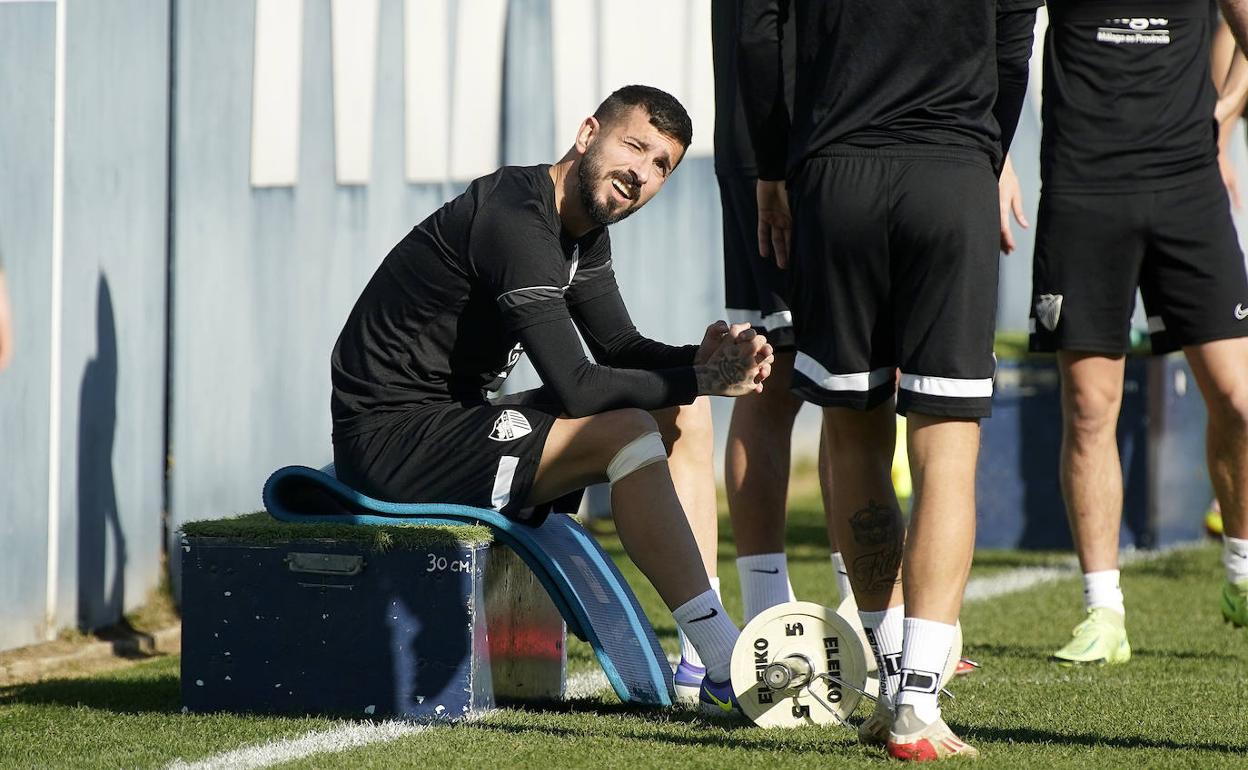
(813, 632)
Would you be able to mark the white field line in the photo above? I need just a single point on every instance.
(587, 684)
(1020, 579)
(348, 736)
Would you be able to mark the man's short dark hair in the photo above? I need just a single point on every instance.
(666, 113)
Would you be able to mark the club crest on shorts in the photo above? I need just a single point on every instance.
(1049, 310)
(510, 425)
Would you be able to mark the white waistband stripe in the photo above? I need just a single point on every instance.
(855, 381)
(948, 387)
(781, 319)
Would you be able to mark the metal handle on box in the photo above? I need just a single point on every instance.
(326, 563)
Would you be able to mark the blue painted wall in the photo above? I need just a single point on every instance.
(109, 470)
(27, 60)
(113, 356)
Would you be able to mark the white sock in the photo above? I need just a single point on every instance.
(923, 659)
(687, 650)
(885, 630)
(764, 582)
(1235, 558)
(705, 621)
(843, 588)
(1101, 589)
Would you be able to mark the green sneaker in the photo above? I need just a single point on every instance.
(1099, 640)
(1235, 603)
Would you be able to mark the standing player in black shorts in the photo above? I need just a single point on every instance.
(890, 164)
(1132, 196)
(757, 457)
(518, 263)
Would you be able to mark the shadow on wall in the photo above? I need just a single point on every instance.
(101, 590)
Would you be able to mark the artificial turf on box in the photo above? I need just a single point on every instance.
(263, 528)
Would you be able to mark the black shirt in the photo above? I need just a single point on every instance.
(1128, 98)
(871, 73)
(489, 275)
(734, 153)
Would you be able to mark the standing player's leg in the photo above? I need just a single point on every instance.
(689, 438)
(844, 589)
(624, 447)
(1090, 250)
(865, 520)
(939, 546)
(1221, 370)
(944, 259)
(940, 542)
(756, 476)
(756, 462)
(845, 363)
(1195, 288)
(1091, 475)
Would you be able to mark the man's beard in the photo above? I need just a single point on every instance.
(588, 174)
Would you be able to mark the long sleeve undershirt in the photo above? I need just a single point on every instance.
(632, 370)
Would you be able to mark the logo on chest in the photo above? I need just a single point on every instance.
(1137, 30)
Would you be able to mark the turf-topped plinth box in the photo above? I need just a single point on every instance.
(416, 622)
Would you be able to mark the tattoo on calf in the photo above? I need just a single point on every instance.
(878, 570)
(877, 530)
(875, 524)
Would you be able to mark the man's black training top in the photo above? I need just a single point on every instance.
(872, 73)
(1128, 98)
(488, 276)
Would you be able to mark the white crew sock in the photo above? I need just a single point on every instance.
(1101, 589)
(687, 650)
(843, 588)
(764, 582)
(927, 648)
(884, 635)
(1235, 558)
(705, 621)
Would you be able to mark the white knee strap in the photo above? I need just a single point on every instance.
(636, 454)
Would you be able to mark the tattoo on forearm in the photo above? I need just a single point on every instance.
(878, 531)
(722, 372)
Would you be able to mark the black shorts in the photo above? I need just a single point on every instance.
(482, 455)
(755, 290)
(895, 266)
(1178, 246)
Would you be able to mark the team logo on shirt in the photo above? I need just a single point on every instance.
(510, 426)
(1134, 31)
(1049, 310)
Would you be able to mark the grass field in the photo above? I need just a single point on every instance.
(1179, 703)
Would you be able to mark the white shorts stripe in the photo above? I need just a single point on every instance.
(1156, 324)
(857, 381)
(948, 387)
(502, 481)
(781, 319)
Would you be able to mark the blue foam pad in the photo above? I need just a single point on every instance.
(580, 577)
